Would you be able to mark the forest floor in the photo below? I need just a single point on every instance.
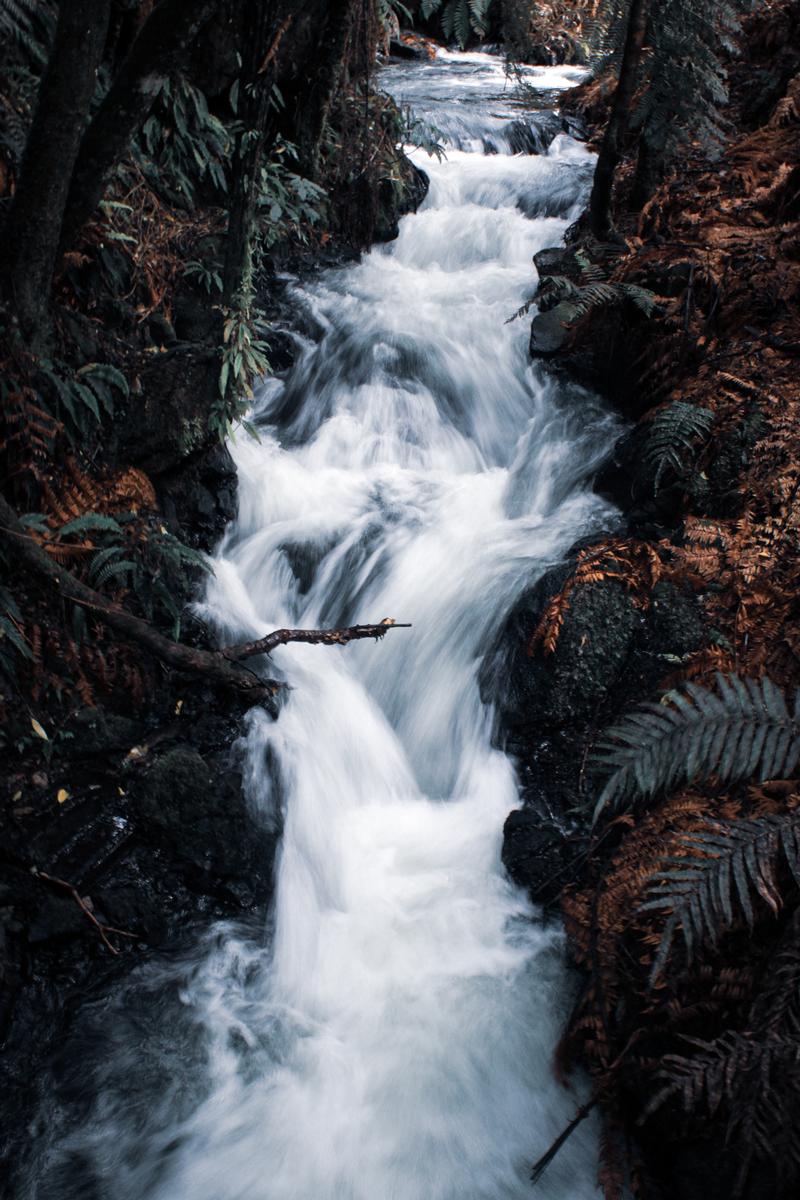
(685, 1051)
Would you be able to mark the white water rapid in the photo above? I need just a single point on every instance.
(391, 1039)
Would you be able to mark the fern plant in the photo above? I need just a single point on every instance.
(28, 24)
(743, 729)
(725, 867)
(459, 18)
(77, 397)
(671, 436)
(583, 298)
(139, 555)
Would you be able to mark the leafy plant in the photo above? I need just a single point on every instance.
(29, 24)
(140, 556)
(182, 144)
(744, 729)
(423, 135)
(286, 201)
(582, 299)
(724, 868)
(671, 435)
(244, 359)
(207, 274)
(77, 397)
(459, 18)
(13, 643)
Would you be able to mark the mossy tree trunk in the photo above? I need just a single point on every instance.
(601, 217)
(33, 229)
(322, 80)
(266, 23)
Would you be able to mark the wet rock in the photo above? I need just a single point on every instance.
(534, 134)
(179, 800)
(169, 421)
(538, 856)
(199, 498)
(550, 331)
(98, 731)
(558, 260)
(610, 655)
(398, 196)
(414, 51)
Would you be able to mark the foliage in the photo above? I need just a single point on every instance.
(585, 298)
(182, 144)
(423, 135)
(244, 360)
(743, 729)
(459, 18)
(682, 87)
(77, 397)
(723, 866)
(686, 87)
(288, 203)
(29, 24)
(671, 435)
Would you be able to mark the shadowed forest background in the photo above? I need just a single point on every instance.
(165, 168)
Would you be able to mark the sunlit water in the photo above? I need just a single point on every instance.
(391, 1038)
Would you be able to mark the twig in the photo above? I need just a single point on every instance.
(101, 927)
(325, 637)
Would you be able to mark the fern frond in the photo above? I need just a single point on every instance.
(752, 1080)
(725, 867)
(671, 434)
(595, 295)
(741, 730)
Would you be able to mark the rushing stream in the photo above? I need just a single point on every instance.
(391, 1038)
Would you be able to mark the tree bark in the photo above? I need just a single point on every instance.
(33, 229)
(650, 168)
(315, 104)
(263, 36)
(601, 219)
(159, 49)
(218, 667)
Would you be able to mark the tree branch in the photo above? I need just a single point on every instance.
(325, 637)
(219, 667)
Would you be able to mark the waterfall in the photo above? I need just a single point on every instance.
(391, 1037)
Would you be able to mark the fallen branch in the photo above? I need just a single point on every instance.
(85, 908)
(219, 667)
(325, 637)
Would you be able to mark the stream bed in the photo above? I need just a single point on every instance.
(389, 1035)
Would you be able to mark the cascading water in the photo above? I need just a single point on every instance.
(391, 1039)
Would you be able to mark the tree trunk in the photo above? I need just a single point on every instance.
(315, 104)
(600, 214)
(160, 48)
(263, 36)
(33, 229)
(650, 168)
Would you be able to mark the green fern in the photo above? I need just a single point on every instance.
(584, 298)
(30, 25)
(671, 435)
(744, 729)
(91, 522)
(727, 866)
(74, 397)
(459, 18)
